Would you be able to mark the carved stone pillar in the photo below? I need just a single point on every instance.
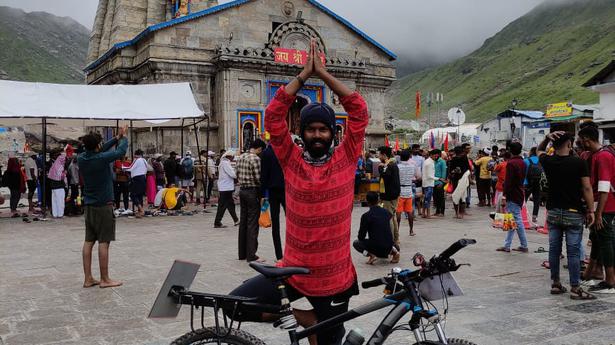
(97, 30)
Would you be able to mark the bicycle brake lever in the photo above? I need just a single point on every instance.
(459, 266)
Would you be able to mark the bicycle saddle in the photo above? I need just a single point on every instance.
(272, 272)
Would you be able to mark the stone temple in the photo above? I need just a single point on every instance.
(228, 54)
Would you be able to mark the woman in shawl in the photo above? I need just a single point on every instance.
(460, 178)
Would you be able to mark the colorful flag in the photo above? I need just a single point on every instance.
(396, 143)
(446, 142)
(386, 141)
(432, 141)
(418, 104)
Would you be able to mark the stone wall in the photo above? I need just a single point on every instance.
(165, 140)
(228, 60)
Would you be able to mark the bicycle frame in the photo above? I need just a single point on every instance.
(405, 301)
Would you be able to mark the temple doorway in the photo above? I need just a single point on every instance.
(293, 118)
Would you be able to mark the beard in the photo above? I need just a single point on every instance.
(318, 151)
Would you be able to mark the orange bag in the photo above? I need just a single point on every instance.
(264, 221)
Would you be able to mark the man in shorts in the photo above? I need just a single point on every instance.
(408, 173)
(98, 202)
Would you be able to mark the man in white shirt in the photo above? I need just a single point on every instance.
(211, 174)
(138, 182)
(418, 159)
(226, 187)
(408, 173)
(31, 177)
(429, 180)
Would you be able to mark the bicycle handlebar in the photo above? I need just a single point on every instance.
(437, 265)
(373, 283)
(455, 247)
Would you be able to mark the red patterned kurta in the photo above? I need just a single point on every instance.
(318, 200)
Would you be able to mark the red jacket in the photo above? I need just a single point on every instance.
(318, 200)
(513, 184)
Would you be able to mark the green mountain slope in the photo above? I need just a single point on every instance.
(541, 58)
(41, 47)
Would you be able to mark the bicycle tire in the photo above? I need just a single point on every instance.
(207, 336)
(451, 341)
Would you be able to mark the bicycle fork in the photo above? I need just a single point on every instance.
(435, 321)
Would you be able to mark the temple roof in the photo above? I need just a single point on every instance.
(220, 8)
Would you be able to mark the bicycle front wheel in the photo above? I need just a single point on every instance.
(208, 336)
(452, 341)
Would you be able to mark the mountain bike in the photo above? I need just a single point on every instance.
(402, 288)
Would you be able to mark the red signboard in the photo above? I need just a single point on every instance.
(293, 56)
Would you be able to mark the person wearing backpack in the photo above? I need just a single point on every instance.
(187, 173)
(533, 173)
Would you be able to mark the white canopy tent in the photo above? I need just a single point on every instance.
(96, 105)
(151, 105)
(468, 130)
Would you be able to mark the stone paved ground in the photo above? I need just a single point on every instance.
(506, 300)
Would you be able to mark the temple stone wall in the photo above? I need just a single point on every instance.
(165, 140)
(129, 20)
(228, 60)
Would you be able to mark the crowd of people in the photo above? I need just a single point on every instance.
(572, 178)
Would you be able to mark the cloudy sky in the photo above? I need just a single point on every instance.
(417, 30)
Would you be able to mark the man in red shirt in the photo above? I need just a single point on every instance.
(602, 177)
(513, 194)
(319, 197)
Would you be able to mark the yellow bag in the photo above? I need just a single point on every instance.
(504, 221)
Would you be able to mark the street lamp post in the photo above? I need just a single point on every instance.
(458, 123)
(513, 125)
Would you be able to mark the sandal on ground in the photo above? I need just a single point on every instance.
(580, 294)
(558, 289)
(371, 260)
(546, 264)
(541, 250)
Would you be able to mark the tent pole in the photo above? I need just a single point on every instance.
(198, 148)
(203, 172)
(131, 142)
(207, 157)
(181, 149)
(43, 173)
(207, 137)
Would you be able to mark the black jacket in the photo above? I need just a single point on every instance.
(271, 171)
(390, 175)
(375, 224)
(11, 180)
(170, 169)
